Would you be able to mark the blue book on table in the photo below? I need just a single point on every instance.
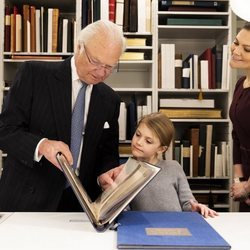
(167, 230)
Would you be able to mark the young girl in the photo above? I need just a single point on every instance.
(169, 190)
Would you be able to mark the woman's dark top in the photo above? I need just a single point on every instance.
(240, 116)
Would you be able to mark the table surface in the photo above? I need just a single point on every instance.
(74, 231)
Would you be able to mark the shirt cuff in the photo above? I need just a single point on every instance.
(37, 158)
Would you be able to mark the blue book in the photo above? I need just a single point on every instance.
(167, 230)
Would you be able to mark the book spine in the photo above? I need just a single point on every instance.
(112, 10)
(7, 26)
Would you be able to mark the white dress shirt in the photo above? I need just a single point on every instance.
(76, 85)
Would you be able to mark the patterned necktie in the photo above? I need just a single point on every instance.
(77, 124)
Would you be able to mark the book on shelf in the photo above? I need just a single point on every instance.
(168, 66)
(33, 28)
(225, 66)
(126, 56)
(178, 70)
(167, 230)
(208, 55)
(186, 103)
(104, 210)
(192, 113)
(122, 120)
(7, 27)
(133, 17)
(194, 135)
(186, 156)
(202, 150)
(186, 73)
(125, 148)
(165, 4)
(194, 21)
(136, 41)
(204, 74)
(208, 156)
(126, 16)
(119, 13)
(18, 33)
(111, 11)
(191, 8)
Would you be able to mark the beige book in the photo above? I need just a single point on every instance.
(189, 113)
(136, 41)
(132, 56)
(102, 212)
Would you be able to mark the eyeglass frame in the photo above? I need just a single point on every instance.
(99, 65)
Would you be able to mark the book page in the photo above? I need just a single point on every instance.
(133, 175)
(77, 187)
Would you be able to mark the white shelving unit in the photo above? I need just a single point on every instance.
(140, 78)
(195, 39)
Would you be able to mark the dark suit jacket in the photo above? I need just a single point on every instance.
(39, 106)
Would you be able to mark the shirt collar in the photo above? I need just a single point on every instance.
(73, 70)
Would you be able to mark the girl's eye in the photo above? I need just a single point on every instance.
(149, 142)
(235, 43)
(247, 49)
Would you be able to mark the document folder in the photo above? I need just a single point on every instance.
(167, 230)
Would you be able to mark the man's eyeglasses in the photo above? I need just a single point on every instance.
(98, 65)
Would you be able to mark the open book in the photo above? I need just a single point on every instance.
(132, 179)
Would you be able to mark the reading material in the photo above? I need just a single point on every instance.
(167, 230)
(132, 179)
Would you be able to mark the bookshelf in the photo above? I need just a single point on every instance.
(139, 79)
(208, 188)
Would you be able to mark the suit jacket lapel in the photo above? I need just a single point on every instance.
(60, 88)
(96, 116)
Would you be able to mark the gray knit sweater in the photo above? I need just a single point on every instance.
(168, 191)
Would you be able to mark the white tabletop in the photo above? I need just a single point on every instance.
(74, 231)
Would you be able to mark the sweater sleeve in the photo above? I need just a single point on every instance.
(184, 191)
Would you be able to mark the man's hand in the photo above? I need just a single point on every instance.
(106, 179)
(49, 149)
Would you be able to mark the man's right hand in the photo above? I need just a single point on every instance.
(49, 149)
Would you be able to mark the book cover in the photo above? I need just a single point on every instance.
(186, 103)
(112, 8)
(102, 212)
(209, 137)
(126, 16)
(191, 113)
(7, 27)
(208, 55)
(194, 21)
(165, 4)
(186, 156)
(194, 140)
(178, 70)
(138, 41)
(132, 56)
(202, 144)
(167, 230)
(133, 17)
(191, 8)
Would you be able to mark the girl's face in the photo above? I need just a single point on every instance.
(146, 145)
(240, 50)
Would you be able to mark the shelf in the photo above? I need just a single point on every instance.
(189, 32)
